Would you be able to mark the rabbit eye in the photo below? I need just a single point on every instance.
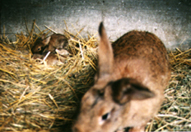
(101, 93)
(106, 116)
(39, 49)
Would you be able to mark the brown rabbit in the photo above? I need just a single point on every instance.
(129, 85)
(57, 41)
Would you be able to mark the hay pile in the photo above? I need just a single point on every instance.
(35, 96)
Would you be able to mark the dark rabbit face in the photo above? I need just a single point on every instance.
(40, 44)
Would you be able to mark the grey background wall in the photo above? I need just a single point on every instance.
(168, 19)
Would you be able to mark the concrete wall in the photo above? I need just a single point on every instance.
(168, 19)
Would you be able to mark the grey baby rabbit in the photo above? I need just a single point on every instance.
(128, 90)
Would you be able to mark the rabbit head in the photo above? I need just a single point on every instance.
(40, 44)
(104, 108)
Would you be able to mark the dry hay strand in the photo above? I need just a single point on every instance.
(175, 113)
(35, 96)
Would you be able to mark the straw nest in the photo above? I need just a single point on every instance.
(39, 97)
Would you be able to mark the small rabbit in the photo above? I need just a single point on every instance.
(129, 85)
(51, 43)
(40, 44)
(56, 41)
(52, 59)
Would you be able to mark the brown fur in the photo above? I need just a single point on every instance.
(52, 59)
(51, 43)
(57, 41)
(129, 85)
(54, 43)
(40, 44)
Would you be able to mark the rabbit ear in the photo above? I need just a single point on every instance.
(63, 42)
(43, 36)
(105, 53)
(127, 89)
(45, 40)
